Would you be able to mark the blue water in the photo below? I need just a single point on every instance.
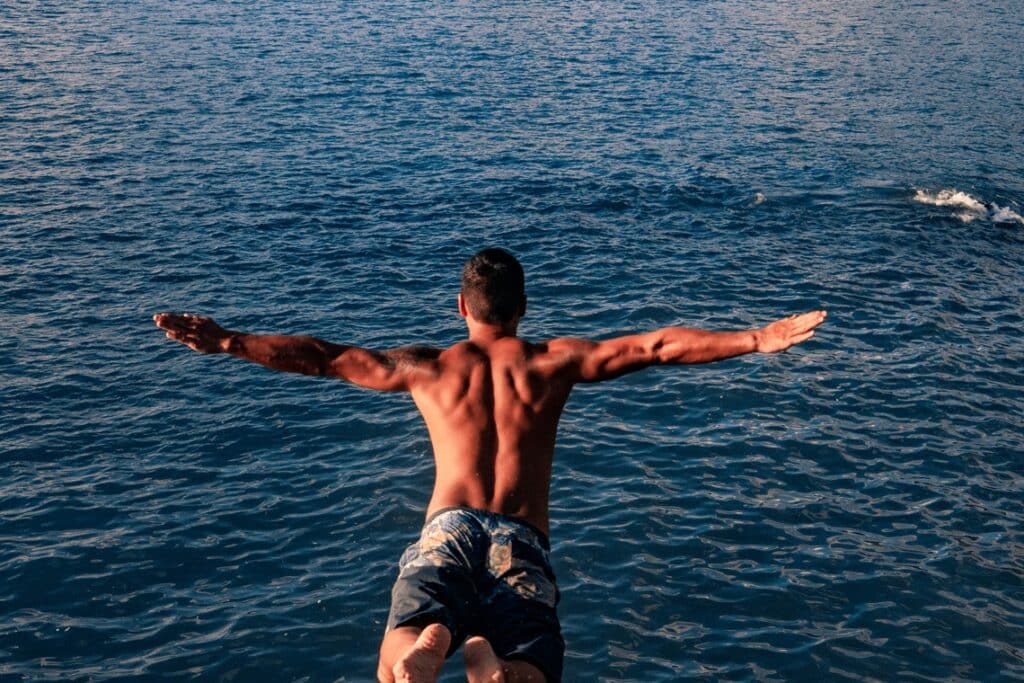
(850, 510)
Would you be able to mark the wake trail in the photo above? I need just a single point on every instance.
(968, 208)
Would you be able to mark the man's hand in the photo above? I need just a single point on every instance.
(197, 332)
(781, 334)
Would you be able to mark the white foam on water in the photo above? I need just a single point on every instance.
(969, 208)
(950, 198)
(1004, 215)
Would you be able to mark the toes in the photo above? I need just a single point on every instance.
(435, 638)
(482, 665)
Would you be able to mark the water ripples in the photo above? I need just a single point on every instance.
(850, 510)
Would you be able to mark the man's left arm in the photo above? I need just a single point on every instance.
(592, 361)
(393, 370)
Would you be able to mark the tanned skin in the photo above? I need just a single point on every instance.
(491, 404)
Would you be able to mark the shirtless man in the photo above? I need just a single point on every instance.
(480, 572)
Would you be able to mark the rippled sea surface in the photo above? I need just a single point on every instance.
(850, 510)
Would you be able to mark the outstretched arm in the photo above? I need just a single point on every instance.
(597, 361)
(394, 370)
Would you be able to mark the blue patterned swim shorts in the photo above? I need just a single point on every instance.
(483, 573)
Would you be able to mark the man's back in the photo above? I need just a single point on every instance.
(492, 410)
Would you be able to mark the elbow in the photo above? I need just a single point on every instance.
(658, 350)
(659, 353)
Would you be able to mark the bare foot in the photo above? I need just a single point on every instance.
(482, 665)
(423, 662)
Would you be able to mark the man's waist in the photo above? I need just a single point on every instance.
(536, 523)
(492, 517)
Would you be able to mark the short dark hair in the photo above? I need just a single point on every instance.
(493, 286)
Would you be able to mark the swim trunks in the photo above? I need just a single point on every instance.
(483, 573)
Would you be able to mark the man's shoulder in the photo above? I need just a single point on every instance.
(558, 356)
(564, 345)
(414, 353)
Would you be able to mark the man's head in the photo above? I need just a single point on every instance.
(493, 287)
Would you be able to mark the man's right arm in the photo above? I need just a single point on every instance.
(392, 370)
(597, 361)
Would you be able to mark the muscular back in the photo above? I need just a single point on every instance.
(492, 411)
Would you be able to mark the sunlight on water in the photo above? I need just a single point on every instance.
(850, 510)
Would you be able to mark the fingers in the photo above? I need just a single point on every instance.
(808, 321)
(178, 321)
(803, 337)
(179, 336)
(794, 329)
(815, 317)
(193, 341)
(168, 321)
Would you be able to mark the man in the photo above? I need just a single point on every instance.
(480, 572)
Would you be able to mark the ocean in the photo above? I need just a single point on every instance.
(850, 510)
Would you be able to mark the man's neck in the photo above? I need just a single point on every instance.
(484, 333)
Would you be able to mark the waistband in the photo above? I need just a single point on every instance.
(487, 514)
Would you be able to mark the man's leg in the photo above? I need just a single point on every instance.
(410, 654)
(483, 666)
